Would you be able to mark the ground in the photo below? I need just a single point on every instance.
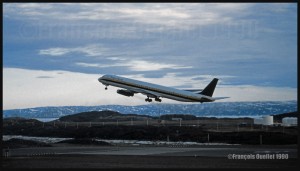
(214, 156)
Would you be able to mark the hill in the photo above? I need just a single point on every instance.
(102, 116)
(279, 117)
(20, 143)
(111, 116)
(20, 120)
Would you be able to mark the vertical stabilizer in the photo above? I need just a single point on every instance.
(210, 88)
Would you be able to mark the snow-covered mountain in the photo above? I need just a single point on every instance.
(220, 109)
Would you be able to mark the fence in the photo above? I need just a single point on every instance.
(218, 125)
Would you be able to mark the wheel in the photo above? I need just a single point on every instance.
(157, 99)
(105, 88)
(148, 100)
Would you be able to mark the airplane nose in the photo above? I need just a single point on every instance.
(99, 79)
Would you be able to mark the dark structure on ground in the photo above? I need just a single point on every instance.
(237, 133)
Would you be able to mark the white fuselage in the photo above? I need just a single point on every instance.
(153, 89)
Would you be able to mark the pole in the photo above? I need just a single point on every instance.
(208, 137)
(260, 139)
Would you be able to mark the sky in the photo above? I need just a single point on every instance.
(53, 53)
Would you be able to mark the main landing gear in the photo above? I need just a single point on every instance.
(105, 88)
(150, 100)
(158, 99)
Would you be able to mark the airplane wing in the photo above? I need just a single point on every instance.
(151, 94)
(145, 92)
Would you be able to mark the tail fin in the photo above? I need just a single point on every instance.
(210, 88)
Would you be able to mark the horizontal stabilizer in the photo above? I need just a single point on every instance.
(219, 98)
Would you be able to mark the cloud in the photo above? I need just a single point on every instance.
(164, 16)
(23, 89)
(139, 65)
(174, 79)
(247, 40)
(54, 51)
(98, 50)
(256, 93)
(278, 7)
(89, 50)
(136, 65)
(44, 77)
(90, 65)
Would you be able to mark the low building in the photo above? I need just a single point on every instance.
(176, 119)
(289, 121)
(258, 121)
(265, 120)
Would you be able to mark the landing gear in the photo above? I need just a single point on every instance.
(158, 99)
(106, 88)
(148, 99)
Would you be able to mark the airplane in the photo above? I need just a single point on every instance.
(131, 87)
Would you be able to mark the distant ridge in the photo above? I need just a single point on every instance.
(220, 109)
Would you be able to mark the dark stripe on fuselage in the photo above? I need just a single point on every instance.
(154, 90)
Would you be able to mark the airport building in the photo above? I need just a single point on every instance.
(176, 119)
(265, 120)
(289, 121)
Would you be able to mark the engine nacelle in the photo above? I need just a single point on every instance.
(125, 92)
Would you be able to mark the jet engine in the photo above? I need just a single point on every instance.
(125, 92)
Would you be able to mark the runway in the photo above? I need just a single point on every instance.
(207, 151)
(208, 156)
